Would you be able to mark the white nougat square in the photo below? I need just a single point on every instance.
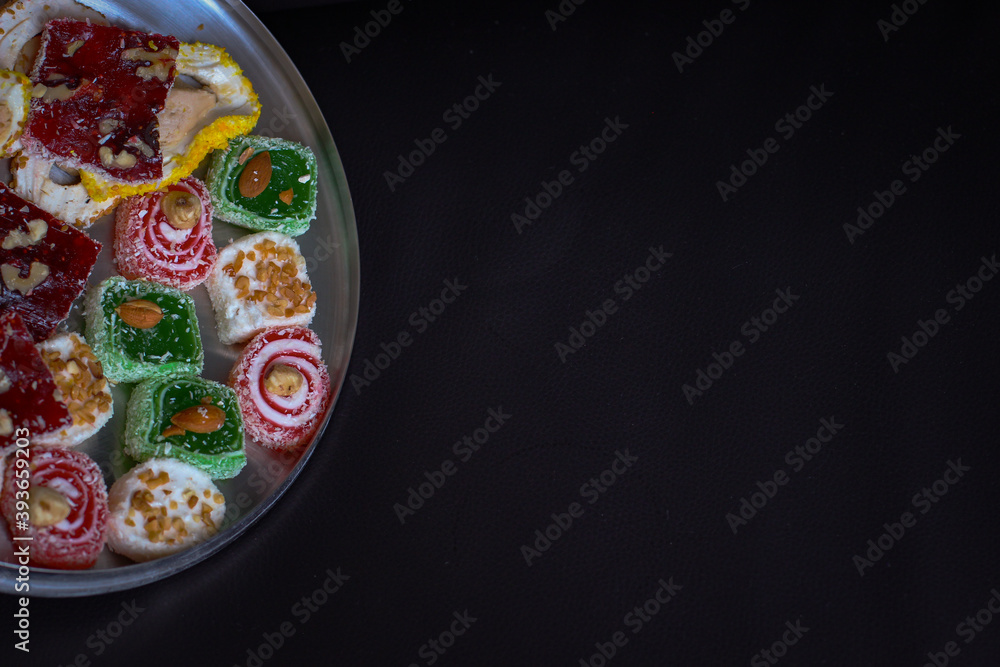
(260, 282)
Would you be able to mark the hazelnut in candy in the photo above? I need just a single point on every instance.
(167, 236)
(44, 264)
(264, 183)
(283, 386)
(139, 329)
(190, 419)
(29, 397)
(67, 506)
(161, 507)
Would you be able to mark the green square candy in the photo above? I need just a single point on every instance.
(293, 167)
(154, 403)
(172, 347)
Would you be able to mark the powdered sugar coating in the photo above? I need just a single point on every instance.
(161, 507)
(75, 542)
(241, 313)
(282, 422)
(95, 401)
(104, 331)
(148, 246)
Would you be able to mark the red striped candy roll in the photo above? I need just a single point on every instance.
(67, 506)
(283, 387)
(166, 236)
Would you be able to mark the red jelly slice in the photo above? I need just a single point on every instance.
(28, 392)
(97, 92)
(66, 513)
(166, 237)
(283, 386)
(44, 262)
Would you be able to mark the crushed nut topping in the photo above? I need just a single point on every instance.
(159, 527)
(284, 293)
(80, 379)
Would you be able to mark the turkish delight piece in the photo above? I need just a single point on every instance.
(82, 387)
(190, 419)
(260, 282)
(161, 507)
(266, 184)
(44, 263)
(210, 103)
(29, 397)
(140, 329)
(97, 91)
(167, 236)
(67, 506)
(283, 387)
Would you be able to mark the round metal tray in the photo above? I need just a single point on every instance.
(331, 251)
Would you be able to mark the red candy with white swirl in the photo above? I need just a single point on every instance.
(283, 387)
(166, 236)
(67, 506)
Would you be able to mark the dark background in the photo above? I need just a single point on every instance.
(495, 347)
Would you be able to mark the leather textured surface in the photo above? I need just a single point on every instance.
(787, 581)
